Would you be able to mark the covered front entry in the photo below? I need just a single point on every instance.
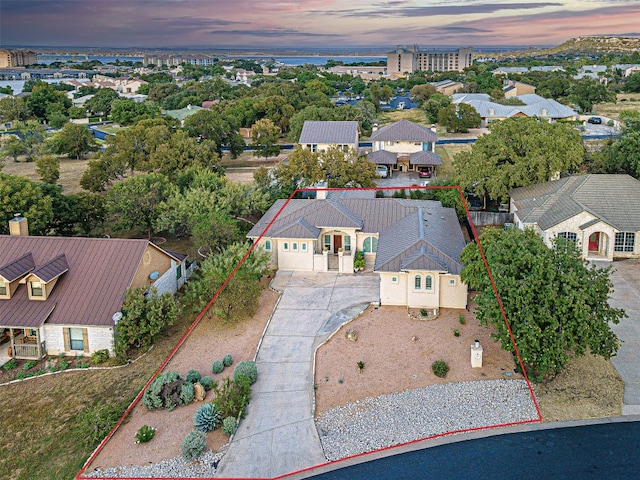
(594, 242)
(598, 245)
(23, 343)
(337, 243)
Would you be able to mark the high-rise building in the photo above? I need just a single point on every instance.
(17, 58)
(408, 59)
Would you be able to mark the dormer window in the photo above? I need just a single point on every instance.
(3, 287)
(36, 289)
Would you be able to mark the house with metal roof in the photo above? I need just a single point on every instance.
(321, 135)
(598, 211)
(535, 106)
(62, 295)
(413, 245)
(405, 146)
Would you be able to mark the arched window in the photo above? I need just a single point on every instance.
(370, 245)
(267, 245)
(417, 282)
(428, 282)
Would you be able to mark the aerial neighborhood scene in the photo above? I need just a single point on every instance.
(319, 240)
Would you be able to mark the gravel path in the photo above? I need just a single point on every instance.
(383, 421)
(397, 418)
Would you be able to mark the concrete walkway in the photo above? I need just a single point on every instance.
(278, 435)
(626, 281)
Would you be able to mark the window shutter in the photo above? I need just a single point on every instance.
(85, 340)
(67, 344)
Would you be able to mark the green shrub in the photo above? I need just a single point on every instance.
(232, 397)
(217, 367)
(187, 393)
(379, 193)
(207, 418)
(83, 365)
(227, 361)
(64, 365)
(21, 375)
(29, 365)
(145, 433)
(462, 320)
(10, 365)
(361, 365)
(208, 383)
(456, 332)
(193, 376)
(229, 425)
(423, 312)
(246, 368)
(95, 422)
(165, 392)
(41, 371)
(193, 445)
(100, 356)
(440, 368)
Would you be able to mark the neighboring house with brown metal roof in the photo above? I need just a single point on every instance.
(405, 146)
(58, 295)
(321, 135)
(598, 211)
(414, 245)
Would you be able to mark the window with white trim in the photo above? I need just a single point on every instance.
(303, 246)
(569, 236)
(394, 279)
(417, 282)
(76, 339)
(625, 242)
(285, 246)
(36, 289)
(327, 242)
(370, 245)
(3, 287)
(267, 245)
(452, 282)
(294, 246)
(347, 243)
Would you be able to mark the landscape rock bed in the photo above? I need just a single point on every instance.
(402, 417)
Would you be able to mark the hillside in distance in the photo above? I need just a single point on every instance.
(596, 45)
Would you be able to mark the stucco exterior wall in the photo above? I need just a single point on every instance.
(298, 258)
(452, 295)
(393, 293)
(399, 147)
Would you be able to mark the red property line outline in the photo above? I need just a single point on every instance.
(136, 400)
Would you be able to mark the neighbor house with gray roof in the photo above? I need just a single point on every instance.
(598, 211)
(321, 135)
(62, 295)
(405, 146)
(413, 245)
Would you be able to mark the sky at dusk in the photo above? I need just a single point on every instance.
(310, 23)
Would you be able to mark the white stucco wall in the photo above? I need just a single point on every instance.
(297, 259)
(452, 295)
(393, 293)
(399, 147)
(403, 292)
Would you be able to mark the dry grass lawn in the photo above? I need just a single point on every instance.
(71, 171)
(625, 101)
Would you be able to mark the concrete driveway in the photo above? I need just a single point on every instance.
(278, 435)
(626, 281)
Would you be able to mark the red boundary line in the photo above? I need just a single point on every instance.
(206, 308)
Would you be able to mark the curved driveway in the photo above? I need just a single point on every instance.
(278, 435)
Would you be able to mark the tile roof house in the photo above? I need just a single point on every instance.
(58, 295)
(598, 211)
(535, 106)
(413, 245)
(320, 135)
(405, 146)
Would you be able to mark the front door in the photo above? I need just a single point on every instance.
(337, 243)
(594, 242)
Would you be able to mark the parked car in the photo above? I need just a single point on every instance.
(424, 173)
(595, 120)
(382, 171)
(474, 204)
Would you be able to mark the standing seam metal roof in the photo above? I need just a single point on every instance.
(404, 131)
(329, 132)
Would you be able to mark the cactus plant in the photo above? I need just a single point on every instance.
(207, 418)
(217, 367)
(193, 376)
(246, 368)
(229, 425)
(187, 393)
(208, 383)
(227, 360)
(193, 445)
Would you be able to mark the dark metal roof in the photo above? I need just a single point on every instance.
(404, 131)
(17, 268)
(329, 132)
(52, 269)
(383, 157)
(100, 270)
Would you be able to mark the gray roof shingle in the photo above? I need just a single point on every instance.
(614, 199)
(404, 131)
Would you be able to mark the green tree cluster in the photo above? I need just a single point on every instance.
(557, 306)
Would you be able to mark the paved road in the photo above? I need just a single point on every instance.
(598, 451)
(278, 435)
(626, 281)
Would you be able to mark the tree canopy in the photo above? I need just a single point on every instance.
(518, 152)
(556, 305)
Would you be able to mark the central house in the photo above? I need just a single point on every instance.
(414, 245)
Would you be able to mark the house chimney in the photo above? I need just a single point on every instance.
(18, 226)
(374, 128)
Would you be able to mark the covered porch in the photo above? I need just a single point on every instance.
(22, 343)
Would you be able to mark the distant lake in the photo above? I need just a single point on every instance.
(48, 59)
(17, 85)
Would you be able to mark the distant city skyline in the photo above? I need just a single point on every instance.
(310, 23)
